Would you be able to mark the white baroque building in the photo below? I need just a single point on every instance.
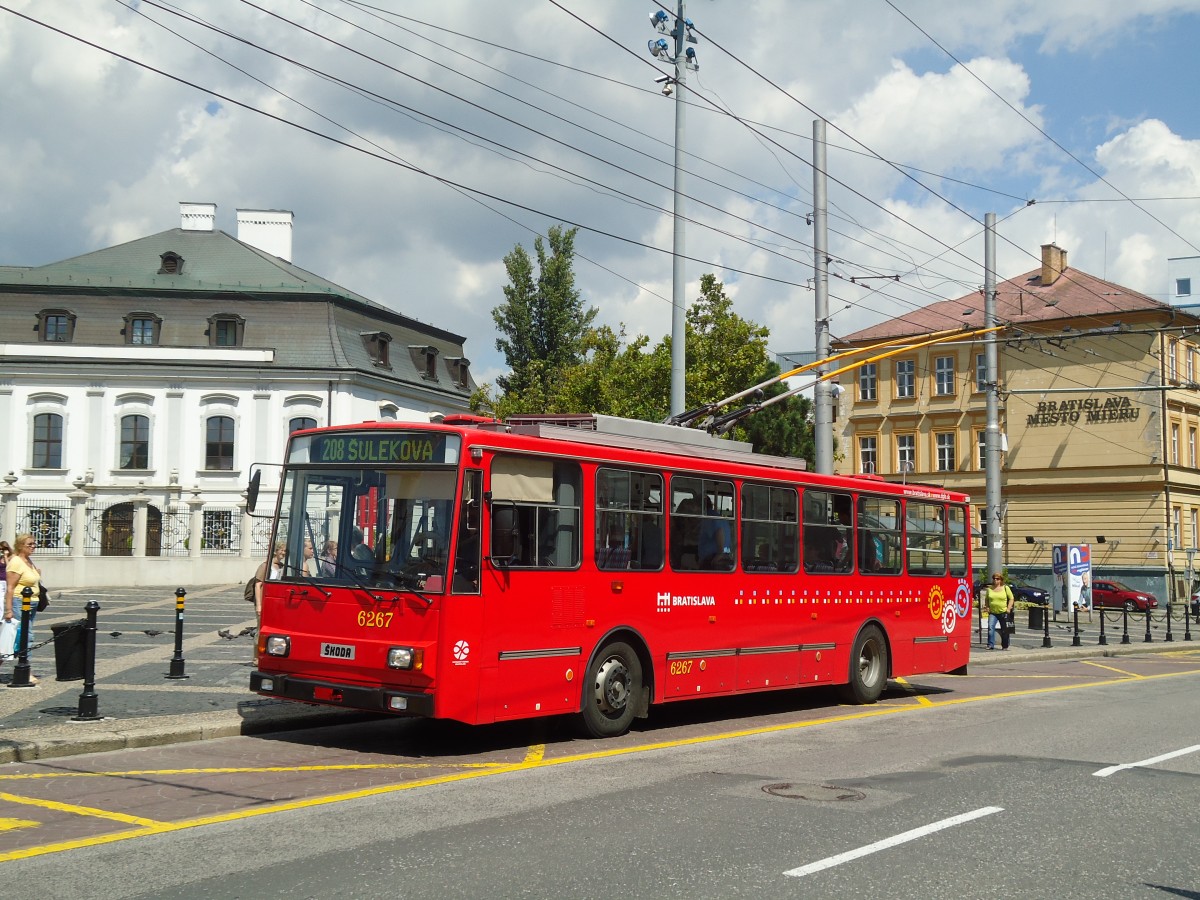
(141, 383)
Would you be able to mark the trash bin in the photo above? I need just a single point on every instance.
(70, 642)
(1035, 618)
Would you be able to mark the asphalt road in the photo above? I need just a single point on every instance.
(1000, 783)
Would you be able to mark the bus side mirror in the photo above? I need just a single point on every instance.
(252, 490)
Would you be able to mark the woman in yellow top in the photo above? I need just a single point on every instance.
(22, 573)
(999, 598)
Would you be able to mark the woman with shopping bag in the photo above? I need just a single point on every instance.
(22, 573)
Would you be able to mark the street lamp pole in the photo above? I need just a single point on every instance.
(683, 59)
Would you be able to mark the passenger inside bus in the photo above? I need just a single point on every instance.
(614, 554)
(715, 544)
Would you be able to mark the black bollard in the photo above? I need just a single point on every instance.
(1187, 625)
(21, 676)
(1149, 637)
(1103, 639)
(177, 660)
(1124, 624)
(1046, 626)
(88, 700)
(1075, 641)
(1169, 636)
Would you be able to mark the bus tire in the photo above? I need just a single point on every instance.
(612, 691)
(868, 667)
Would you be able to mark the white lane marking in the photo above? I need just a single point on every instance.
(831, 861)
(1112, 770)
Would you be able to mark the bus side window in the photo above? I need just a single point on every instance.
(506, 533)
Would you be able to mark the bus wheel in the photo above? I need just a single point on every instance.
(612, 691)
(868, 667)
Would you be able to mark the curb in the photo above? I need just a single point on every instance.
(981, 657)
(107, 734)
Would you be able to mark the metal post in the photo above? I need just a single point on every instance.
(991, 435)
(1149, 637)
(823, 391)
(1046, 626)
(177, 660)
(1124, 624)
(678, 276)
(1075, 641)
(1187, 625)
(21, 676)
(1103, 639)
(1169, 637)
(88, 700)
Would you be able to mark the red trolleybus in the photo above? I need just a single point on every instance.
(487, 571)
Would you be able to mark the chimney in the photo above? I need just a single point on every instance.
(197, 216)
(269, 230)
(1054, 263)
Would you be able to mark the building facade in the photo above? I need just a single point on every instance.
(1099, 411)
(141, 383)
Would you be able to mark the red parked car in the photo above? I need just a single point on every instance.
(1115, 595)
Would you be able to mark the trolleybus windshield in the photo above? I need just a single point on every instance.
(385, 523)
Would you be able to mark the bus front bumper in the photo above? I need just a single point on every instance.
(350, 696)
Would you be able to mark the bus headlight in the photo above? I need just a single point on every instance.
(278, 645)
(405, 658)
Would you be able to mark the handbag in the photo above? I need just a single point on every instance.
(43, 598)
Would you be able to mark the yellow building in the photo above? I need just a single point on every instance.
(1099, 409)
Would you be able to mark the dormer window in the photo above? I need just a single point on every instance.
(424, 357)
(142, 328)
(460, 370)
(226, 330)
(377, 344)
(172, 263)
(56, 326)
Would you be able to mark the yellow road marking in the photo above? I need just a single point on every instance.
(912, 692)
(1088, 662)
(14, 824)
(329, 799)
(79, 810)
(535, 754)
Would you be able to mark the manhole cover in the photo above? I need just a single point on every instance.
(822, 792)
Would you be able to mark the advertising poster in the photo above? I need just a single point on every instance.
(1072, 584)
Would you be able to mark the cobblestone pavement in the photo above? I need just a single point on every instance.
(139, 706)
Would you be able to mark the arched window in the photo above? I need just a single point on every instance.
(300, 423)
(218, 444)
(135, 442)
(47, 441)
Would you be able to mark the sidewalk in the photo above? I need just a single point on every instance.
(139, 706)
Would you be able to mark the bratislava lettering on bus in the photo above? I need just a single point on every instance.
(666, 600)
(1090, 411)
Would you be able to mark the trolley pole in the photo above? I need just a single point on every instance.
(89, 701)
(21, 675)
(177, 660)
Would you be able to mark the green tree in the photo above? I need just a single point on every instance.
(542, 322)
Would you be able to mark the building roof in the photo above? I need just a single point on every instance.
(212, 261)
(1020, 300)
(307, 321)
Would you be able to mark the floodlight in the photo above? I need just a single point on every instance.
(659, 20)
(689, 56)
(659, 49)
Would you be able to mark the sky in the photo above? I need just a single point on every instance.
(418, 142)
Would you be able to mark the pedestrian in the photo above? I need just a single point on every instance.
(22, 573)
(999, 598)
